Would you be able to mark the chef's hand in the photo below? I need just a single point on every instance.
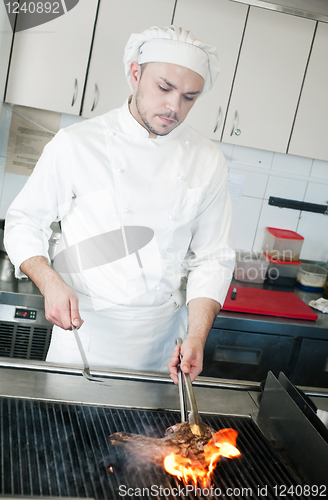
(60, 301)
(191, 358)
(62, 306)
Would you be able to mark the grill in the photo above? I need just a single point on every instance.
(63, 450)
(54, 448)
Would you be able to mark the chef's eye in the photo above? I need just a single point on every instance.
(188, 98)
(164, 89)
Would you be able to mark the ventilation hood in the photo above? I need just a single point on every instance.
(312, 9)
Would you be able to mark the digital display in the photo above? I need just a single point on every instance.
(25, 313)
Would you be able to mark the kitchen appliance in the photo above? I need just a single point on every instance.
(24, 331)
(55, 427)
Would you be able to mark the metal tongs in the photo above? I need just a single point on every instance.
(86, 370)
(195, 421)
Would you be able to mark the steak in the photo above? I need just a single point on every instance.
(178, 439)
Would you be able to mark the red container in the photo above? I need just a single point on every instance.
(282, 244)
(283, 273)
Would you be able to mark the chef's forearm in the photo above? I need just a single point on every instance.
(38, 269)
(60, 301)
(201, 315)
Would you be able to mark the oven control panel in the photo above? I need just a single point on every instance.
(23, 314)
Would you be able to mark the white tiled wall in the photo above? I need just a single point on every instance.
(285, 176)
(265, 174)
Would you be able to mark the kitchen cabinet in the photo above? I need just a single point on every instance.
(221, 23)
(49, 62)
(244, 346)
(268, 80)
(312, 364)
(107, 87)
(309, 137)
(246, 356)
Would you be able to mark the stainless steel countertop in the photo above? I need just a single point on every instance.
(42, 381)
(271, 324)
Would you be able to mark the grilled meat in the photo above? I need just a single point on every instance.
(178, 439)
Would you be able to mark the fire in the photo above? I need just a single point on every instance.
(222, 444)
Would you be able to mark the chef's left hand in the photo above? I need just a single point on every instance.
(192, 358)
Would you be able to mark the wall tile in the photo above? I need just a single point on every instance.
(226, 149)
(292, 164)
(252, 157)
(320, 169)
(285, 187)
(282, 218)
(12, 185)
(316, 193)
(312, 227)
(245, 216)
(255, 184)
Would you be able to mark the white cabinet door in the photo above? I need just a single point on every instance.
(107, 87)
(221, 23)
(49, 62)
(268, 80)
(309, 137)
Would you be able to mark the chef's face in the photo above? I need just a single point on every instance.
(163, 95)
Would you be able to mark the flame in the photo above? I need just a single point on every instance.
(222, 444)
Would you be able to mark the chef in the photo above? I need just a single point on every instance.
(145, 216)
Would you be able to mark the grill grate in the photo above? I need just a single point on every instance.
(24, 341)
(59, 449)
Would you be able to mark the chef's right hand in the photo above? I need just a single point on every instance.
(62, 306)
(60, 301)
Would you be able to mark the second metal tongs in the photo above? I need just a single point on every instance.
(195, 421)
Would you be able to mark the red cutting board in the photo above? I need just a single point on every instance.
(269, 303)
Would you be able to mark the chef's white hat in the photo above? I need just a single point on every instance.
(173, 45)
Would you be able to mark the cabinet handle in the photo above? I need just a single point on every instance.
(235, 124)
(96, 98)
(218, 121)
(75, 92)
(240, 355)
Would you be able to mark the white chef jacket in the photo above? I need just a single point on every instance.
(138, 215)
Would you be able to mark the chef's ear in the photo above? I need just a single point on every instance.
(135, 73)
